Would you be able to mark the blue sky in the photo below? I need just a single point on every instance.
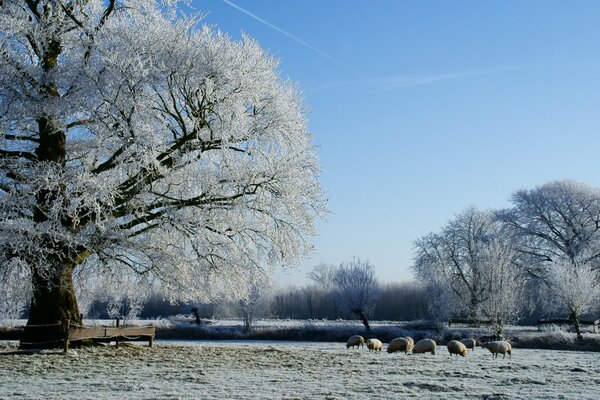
(423, 108)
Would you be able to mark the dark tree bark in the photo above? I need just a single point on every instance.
(196, 313)
(576, 318)
(360, 313)
(53, 303)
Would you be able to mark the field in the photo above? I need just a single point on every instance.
(291, 370)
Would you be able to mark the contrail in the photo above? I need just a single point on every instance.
(293, 37)
(396, 82)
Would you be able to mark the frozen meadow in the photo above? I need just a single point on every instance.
(291, 370)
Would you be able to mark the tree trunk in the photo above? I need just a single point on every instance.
(498, 328)
(363, 318)
(52, 305)
(196, 313)
(576, 318)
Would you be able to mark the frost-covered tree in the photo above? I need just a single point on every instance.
(468, 266)
(253, 297)
(559, 220)
(322, 291)
(134, 146)
(574, 289)
(323, 276)
(15, 292)
(356, 288)
(504, 298)
(559, 223)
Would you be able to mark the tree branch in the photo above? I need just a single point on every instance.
(18, 154)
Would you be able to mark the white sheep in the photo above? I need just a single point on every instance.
(374, 344)
(400, 344)
(469, 343)
(456, 347)
(355, 340)
(424, 346)
(411, 342)
(500, 346)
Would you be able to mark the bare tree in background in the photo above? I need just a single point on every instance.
(469, 268)
(504, 298)
(356, 288)
(559, 223)
(15, 293)
(323, 275)
(253, 297)
(575, 288)
(454, 256)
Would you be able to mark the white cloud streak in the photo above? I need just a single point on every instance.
(395, 82)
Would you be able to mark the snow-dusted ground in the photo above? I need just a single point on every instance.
(291, 370)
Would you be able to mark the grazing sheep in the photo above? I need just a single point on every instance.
(424, 346)
(456, 347)
(411, 342)
(469, 343)
(499, 346)
(356, 340)
(400, 344)
(374, 344)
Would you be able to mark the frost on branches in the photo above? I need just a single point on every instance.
(560, 226)
(470, 268)
(136, 148)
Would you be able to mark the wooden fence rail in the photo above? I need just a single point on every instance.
(595, 324)
(468, 322)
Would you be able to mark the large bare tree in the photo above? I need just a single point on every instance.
(470, 268)
(136, 145)
(559, 223)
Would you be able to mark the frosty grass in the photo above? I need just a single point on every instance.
(286, 370)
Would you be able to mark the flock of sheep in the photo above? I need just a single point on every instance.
(408, 345)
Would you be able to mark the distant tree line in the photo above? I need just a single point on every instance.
(395, 302)
(405, 301)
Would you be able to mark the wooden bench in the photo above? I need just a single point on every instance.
(109, 334)
(595, 324)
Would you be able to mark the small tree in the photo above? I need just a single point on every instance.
(356, 288)
(252, 298)
(322, 291)
(15, 292)
(442, 302)
(323, 275)
(505, 293)
(571, 288)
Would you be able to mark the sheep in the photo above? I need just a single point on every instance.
(411, 342)
(424, 346)
(499, 346)
(400, 344)
(356, 340)
(374, 344)
(456, 347)
(469, 343)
